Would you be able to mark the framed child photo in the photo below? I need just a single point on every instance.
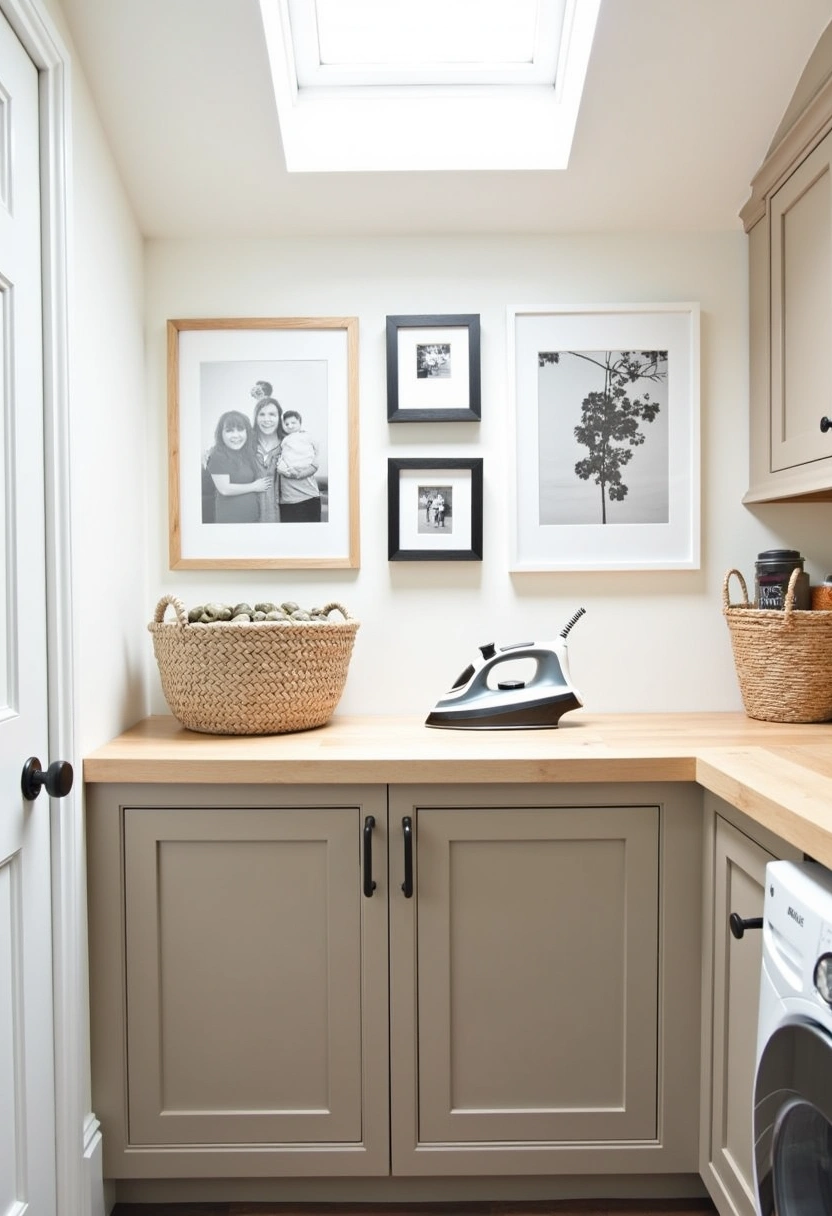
(434, 509)
(433, 369)
(605, 467)
(263, 443)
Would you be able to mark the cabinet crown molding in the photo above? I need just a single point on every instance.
(805, 133)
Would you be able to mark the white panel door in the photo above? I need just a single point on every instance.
(27, 1104)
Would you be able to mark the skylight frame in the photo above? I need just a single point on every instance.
(382, 128)
(310, 72)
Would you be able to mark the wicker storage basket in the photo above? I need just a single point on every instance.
(258, 678)
(783, 658)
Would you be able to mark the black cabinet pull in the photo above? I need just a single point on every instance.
(407, 832)
(369, 885)
(738, 925)
(825, 424)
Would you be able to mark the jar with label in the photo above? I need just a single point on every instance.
(773, 569)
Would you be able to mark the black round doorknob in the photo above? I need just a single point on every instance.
(825, 424)
(739, 925)
(57, 779)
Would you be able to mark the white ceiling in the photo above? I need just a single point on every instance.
(681, 101)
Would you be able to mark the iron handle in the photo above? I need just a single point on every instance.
(825, 424)
(57, 779)
(407, 832)
(369, 885)
(738, 925)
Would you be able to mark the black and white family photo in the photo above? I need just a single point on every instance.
(435, 509)
(264, 441)
(603, 437)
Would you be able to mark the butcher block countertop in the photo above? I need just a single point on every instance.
(779, 775)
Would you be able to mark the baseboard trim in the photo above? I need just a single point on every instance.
(567, 1207)
(397, 1191)
(93, 1154)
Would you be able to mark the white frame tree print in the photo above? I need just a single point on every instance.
(605, 465)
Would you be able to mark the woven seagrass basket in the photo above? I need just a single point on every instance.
(783, 658)
(257, 678)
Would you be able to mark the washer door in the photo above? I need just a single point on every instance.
(793, 1123)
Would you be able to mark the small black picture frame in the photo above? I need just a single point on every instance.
(434, 509)
(433, 368)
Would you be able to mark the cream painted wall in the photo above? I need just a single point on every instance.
(109, 439)
(108, 431)
(650, 641)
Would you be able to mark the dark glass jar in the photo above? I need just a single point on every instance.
(773, 569)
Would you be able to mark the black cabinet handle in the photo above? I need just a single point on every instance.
(369, 885)
(407, 832)
(738, 925)
(825, 424)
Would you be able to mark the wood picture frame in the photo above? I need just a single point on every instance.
(434, 509)
(230, 369)
(433, 368)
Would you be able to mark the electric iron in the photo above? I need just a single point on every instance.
(479, 701)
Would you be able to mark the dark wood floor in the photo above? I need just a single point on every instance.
(580, 1207)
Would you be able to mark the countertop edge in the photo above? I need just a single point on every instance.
(778, 775)
(390, 771)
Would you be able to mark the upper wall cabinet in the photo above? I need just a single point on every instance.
(788, 219)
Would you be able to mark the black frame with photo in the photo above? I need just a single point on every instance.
(410, 538)
(454, 394)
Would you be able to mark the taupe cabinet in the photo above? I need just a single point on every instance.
(541, 981)
(801, 316)
(789, 222)
(542, 992)
(735, 878)
(244, 943)
(238, 982)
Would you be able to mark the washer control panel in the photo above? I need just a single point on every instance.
(797, 927)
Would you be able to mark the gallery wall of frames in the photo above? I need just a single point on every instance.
(604, 460)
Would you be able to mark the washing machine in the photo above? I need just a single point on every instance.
(793, 1082)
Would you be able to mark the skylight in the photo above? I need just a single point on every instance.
(428, 84)
(432, 42)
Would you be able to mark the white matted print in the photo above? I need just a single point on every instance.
(433, 368)
(262, 427)
(605, 465)
(435, 510)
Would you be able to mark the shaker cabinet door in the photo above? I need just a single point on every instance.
(243, 1000)
(801, 312)
(740, 866)
(731, 994)
(232, 954)
(528, 1020)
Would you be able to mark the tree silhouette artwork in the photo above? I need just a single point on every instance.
(612, 415)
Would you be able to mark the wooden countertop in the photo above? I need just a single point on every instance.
(778, 774)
